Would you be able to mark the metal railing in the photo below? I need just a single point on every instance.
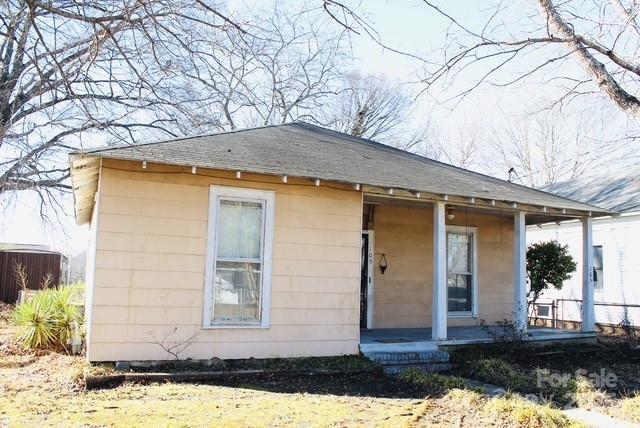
(556, 310)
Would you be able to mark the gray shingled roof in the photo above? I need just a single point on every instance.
(304, 150)
(616, 192)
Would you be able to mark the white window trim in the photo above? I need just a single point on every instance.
(216, 192)
(474, 273)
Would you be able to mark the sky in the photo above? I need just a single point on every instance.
(408, 26)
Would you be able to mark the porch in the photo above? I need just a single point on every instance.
(399, 349)
(420, 339)
(433, 270)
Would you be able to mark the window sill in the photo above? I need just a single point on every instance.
(461, 315)
(236, 327)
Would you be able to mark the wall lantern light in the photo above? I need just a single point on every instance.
(451, 215)
(383, 263)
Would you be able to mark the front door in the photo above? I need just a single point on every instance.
(366, 279)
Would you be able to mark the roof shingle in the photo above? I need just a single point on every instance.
(614, 191)
(309, 151)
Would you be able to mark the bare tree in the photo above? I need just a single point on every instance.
(371, 107)
(600, 38)
(286, 70)
(459, 148)
(545, 149)
(77, 71)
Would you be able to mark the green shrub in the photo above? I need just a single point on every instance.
(49, 320)
(549, 264)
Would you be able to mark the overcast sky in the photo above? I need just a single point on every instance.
(408, 26)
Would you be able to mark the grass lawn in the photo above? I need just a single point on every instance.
(44, 389)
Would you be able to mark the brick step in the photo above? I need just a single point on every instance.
(425, 367)
(404, 358)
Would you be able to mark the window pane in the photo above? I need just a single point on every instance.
(459, 293)
(239, 229)
(597, 257)
(543, 310)
(598, 280)
(250, 230)
(458, 246)
(598, 268)
(237, 292)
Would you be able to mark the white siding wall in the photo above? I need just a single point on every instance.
(620, 241)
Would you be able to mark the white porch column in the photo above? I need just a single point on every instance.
(520, 314)
(439, 324)
(588, 309)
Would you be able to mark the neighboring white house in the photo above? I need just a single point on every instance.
(616, 247)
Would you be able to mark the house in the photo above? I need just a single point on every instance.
(616, 248)
(295, 240)
(39, 262)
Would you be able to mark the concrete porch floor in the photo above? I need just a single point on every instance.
(419, 339)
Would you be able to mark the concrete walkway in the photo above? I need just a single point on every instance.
(597, 419)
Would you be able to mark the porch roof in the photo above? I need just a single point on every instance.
(308, 151)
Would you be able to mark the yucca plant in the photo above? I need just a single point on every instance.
(67, 314)
(37, 323)
(49, 320)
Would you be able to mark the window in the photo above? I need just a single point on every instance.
(461, 268)
(238, 271)
(543, 310)
(598, 268)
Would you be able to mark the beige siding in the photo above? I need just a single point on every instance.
(150, 262)
(403, 295)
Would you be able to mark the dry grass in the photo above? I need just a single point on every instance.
(206, 405)
(463, 407)
(591, 398)
(630, 409)
(516, 411)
